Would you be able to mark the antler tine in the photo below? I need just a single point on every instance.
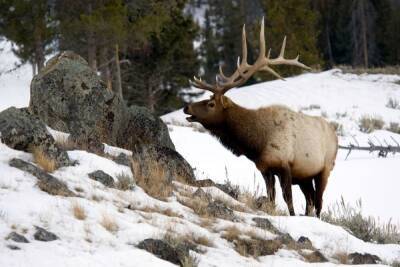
(262, 41)
(221, 73)
(244, 46)
(198, 83)
(282, 53)
(281, 60)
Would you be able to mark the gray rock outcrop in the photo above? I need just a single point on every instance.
(21, 130)
(46, 182)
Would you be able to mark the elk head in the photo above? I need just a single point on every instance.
(212, 111)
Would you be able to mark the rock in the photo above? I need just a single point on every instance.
(17, 238)
(46, 182)
(358, 258)
(286, 239)
(220, 210)
(265, 224)
(23, 131)
(304, 242)
(44, 235)
(142, 128)
(257, 247)
(162, 250)
(229, 189)
(123, 159)
(202, 195)
(70, 97)
(103, 178)
(13, 247)
(172, 163)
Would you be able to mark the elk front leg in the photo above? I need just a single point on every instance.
(285, 179)
(269, 179)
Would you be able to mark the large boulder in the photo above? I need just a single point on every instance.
(70, 97)
(21, 130)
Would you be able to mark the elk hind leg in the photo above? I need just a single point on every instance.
(269, 179)
(309, 193)
(285, 178)
(320, 184)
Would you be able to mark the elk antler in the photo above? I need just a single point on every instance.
(244, 71)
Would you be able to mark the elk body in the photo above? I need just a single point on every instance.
(298, 148)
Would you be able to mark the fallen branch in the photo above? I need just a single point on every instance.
(383, 150)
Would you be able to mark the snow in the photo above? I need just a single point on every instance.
(14, 85)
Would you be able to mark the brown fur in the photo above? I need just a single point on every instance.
(296, 147)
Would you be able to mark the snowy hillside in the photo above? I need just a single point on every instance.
(103, 226)
(343, 98)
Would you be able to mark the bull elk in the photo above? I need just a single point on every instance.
(297, 148)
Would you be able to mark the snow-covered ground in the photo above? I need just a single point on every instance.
(339, 97)
(87, 243)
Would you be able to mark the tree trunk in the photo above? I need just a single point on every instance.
(118, 84)
(39, 50)
(105, 68)
(91, 49)
(329, 44)
(364, 33)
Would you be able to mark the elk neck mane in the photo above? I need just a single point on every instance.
(235, 133)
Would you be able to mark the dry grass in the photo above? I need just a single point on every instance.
(341, 257)
(65, 143)
(109, 223)
(47, 164)
(368, 124)
(152, 178)
(394, 127)
(365, 228)
(125, 182)
(78, 211)
(199, 206)
(231, 233)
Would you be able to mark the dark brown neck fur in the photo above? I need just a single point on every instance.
(235, 133)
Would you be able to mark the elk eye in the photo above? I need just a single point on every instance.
(211, 104)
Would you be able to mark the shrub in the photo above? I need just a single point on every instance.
(365, 228)
(44, 162)
(337, 127)
(394, 127)
(393, 103)
(370, 123)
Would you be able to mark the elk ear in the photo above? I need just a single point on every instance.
(226, 102)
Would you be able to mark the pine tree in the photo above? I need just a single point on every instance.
(296, 20)
(30, 26)
(208, 50)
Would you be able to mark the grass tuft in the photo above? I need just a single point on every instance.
(47, 164)
(368, 124)
(152, 178)
(109, 223)
(366, 228)
(78, 211)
